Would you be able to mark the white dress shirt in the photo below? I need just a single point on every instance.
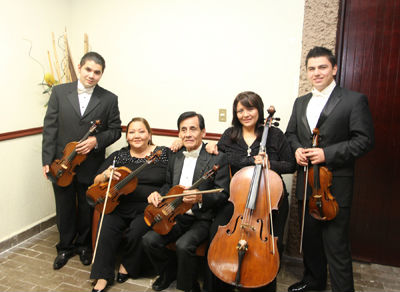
(189, 164)
(84, 95)
(317, 103)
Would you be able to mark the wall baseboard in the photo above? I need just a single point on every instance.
(17, 239)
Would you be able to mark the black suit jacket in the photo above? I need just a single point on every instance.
(204, 163)
(346, 133)
(64, 123)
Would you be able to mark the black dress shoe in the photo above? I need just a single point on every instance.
(61, 259)
(161, 283)
(305, 286)
(85, 255)
(121, 278)
(195, 288)
(109, 283)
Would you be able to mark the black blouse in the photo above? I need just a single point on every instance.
(279, 152)
(150, 179)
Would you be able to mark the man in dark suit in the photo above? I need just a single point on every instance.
(192, 228)
(346, 132)
(71, 110)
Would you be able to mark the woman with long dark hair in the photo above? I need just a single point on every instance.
(241, 144)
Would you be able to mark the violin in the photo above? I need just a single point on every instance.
(62, 170)
(162, 218)
(243, 252)
(322, 204)
(127, 183)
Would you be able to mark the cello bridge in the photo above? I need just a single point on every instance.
(247, 226)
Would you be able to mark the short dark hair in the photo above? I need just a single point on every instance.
(93, 56)
(321, 52)
(247, 99)
(190, 114)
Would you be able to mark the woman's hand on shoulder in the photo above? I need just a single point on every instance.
(176, 145)
(212, 148)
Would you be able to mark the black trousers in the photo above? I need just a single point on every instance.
(74, 217)
(188, 233)
(211, 282)
(117, 228)
(327, 243)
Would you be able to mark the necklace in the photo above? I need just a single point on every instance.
(248, 150)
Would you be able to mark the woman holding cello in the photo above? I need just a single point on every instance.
(127, 217)
(241, 144)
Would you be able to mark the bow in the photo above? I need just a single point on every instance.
(193, 154)
(88, 90)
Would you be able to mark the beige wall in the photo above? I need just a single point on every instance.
(26, 197)
(163, 57)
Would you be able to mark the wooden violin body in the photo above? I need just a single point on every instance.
(62, 170)
(96, 193)
(322, 204)
(127, 183)
(162, 217)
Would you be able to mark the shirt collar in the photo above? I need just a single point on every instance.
(83, 89)
(194, 153)
(326, 92)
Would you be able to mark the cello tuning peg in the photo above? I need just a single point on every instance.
(276, 124)
(277, 119)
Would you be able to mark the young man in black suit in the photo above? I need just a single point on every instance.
(71, 110)
(192, 228)
(346, 132)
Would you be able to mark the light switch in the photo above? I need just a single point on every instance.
(222, 115)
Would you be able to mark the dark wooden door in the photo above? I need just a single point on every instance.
(369, 62)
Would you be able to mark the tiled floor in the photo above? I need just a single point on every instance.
(28, 267)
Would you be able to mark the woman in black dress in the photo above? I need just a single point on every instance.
(241, 144)
(126, 221)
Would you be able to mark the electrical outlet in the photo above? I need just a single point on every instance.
(222, 115)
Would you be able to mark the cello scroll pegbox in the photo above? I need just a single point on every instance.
(271, 110)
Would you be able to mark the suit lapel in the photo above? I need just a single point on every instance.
(93, 102)
(334, 99)
(72, 96)
(178, 165)
(201, 164)
(303, 112)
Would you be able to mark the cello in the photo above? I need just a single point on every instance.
(243, 253)
(62, 170)
(127, 183)
(162, 217)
